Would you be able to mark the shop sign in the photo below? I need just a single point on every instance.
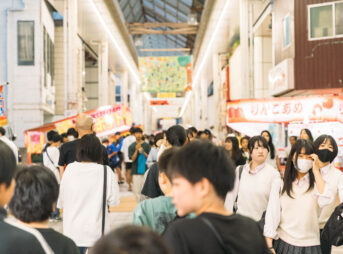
(281, 77)
(3, 117)
(106, 119)
(322, 108)
(35, 141)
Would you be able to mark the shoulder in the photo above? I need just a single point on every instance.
(10, 236)
(59, 240)
(269, 169)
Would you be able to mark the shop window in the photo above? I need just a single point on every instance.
(26, 55)
(326, 20)
(339, 18)
(286, 32)
(118, 94)
(48, 56)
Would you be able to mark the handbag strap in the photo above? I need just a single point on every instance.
(104, 201)
(215, 232)
(239, 181)
(47, 249)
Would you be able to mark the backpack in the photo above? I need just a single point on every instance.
(333, 230)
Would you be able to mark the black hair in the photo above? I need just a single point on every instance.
(137, 130)
(158, 137)
(270, 144)
(8, 164)
(208, 133)
(105, 140)
(56, 138)
(72, 132)
(235, 153)
(165, 158)
(295, 137)
(64, 135)
(202, 159)
(243, 138)
(261, 142)
(192, 131)
(35, 193)
(117, 133)
(176, 135)
(50, 135)
(130, 239)
(308, 132)
(89, 149)
(291, 172)
(132, 130)
(2, 131)
(323, 138)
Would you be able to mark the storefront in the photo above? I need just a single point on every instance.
(285, 117)
(107, 121)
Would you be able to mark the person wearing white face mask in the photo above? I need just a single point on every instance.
(303, 194)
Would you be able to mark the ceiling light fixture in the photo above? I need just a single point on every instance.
(116, 45)
(203, 60)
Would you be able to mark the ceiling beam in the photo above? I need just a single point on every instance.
(173, 31)
(166, 50)
(162, 24)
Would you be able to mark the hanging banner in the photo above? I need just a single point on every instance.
(3, 117)
(165, 74)
(278, 110)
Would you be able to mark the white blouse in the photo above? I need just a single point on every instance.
(323, 199)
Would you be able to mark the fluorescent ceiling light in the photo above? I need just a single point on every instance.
(115, 43)
(204, 58)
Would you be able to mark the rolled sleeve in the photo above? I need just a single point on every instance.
(326, 197)
(272, 219)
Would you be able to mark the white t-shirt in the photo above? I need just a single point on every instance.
(11, 145)
(51, 161)
(81, 193)
(125, 147)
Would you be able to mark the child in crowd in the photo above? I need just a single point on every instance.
(202, 174)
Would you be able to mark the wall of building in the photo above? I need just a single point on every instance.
(318, 64)
(59, 71)
(25, 92)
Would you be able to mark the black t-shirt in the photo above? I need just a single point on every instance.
(68, 153)
(14, 240)
(151, 186)
(193, 236)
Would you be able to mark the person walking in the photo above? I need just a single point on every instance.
(138, 153)
(81, 194)
(128, 162)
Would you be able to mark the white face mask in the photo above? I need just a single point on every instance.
(304, 165)
(71, 138)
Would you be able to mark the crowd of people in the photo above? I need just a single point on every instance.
(194, 194)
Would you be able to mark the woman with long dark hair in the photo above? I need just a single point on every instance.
(231, 146)
(273, 158)
(303, 193)
(306, 134)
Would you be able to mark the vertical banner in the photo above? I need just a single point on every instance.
(3, 118)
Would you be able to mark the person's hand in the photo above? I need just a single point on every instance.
(315, 161)
(138, 146)
(272, 251)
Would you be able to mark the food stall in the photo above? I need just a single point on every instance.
(107, 121)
